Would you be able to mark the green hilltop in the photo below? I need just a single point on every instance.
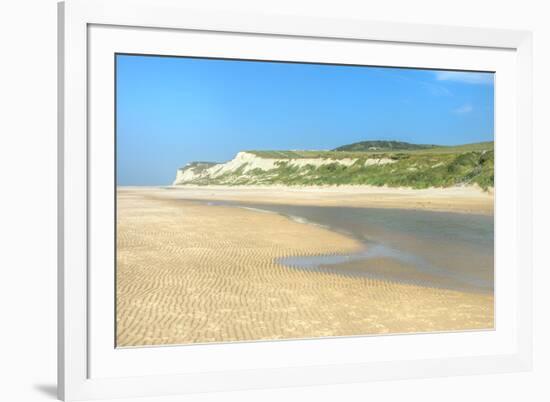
(363, 146)
(378, 163)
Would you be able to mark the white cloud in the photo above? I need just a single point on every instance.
(438, 90)
(433, 88)
(465, 77)
(464, 109)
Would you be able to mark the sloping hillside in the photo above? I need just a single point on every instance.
(413, 167)
(382, 146)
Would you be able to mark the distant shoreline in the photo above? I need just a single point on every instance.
(463, 199)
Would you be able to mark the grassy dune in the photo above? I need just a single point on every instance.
(341, 153)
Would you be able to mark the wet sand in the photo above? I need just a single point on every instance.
(452, 250)
(189, 272)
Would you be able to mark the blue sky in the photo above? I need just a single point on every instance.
(171, 111)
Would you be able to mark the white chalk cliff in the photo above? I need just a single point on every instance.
(246, 165)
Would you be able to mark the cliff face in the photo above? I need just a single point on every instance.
(192, 171)
(470, 164)
(248, 168)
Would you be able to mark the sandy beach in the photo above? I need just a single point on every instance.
(190, 272)
(453, 199)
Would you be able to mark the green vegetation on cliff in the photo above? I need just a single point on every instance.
(432, 166)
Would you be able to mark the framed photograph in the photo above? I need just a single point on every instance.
(253, 201)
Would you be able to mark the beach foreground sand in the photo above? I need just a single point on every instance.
(193, 273)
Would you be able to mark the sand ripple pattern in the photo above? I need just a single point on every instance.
(193, 273)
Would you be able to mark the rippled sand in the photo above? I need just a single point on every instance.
(194, 273)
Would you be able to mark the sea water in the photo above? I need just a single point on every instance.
(441, 249)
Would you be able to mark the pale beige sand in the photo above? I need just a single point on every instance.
(454, 199)
(192, 273)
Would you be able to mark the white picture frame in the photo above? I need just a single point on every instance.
(80, 315)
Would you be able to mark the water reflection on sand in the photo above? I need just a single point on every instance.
(439, 249)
